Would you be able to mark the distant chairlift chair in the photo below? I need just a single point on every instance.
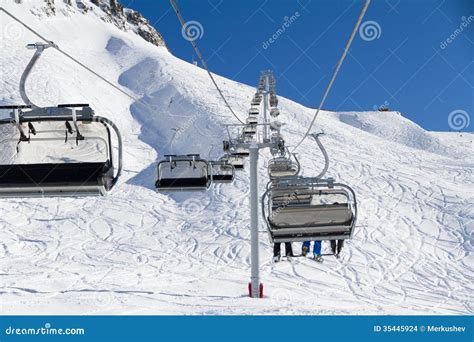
(283, 166)
(183, 173)
(254, 111)
(235, 160)
(256, 100)
(252, 120)
(274, 112)
(221, 171)
(249, 130)
(273, 100)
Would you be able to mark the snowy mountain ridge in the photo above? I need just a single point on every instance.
(110, 11)
(141, 252)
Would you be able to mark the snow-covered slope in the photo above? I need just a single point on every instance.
(139, 252)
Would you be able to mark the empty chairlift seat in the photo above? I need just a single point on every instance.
(320, 211)
(240, 151)
(252, 120)
(237, 161)
(249, 130)
(256, 100)
(273, 100)
(282, 167)
(253, 111)
(57, 151)
(183, 173)
(221, 171)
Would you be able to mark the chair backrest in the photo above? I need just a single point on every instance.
(221, 172)
(53, 144)
(182, 169)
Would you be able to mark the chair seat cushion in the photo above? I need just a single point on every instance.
(67, 174)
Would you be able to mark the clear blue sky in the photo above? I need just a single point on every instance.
(408, 65)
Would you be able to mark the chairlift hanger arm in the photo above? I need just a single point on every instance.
(323, 151)
(39, 47)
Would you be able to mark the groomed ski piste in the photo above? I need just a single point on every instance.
(136, 251)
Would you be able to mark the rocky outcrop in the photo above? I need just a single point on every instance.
(111, 11)
(128, 19)
(50, 8)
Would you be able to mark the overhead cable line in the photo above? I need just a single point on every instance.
(336, 71)
(192, 40)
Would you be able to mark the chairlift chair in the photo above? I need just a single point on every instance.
(221, 171)
(251, 120)
(241, 152)
(235, 160)
(61, 151)
(283, 167)
(230, 147)
(183, 173)
(274, 112)
(275, 126)
(319, 209)
(300, 209)
(255, 102)
(249, 130)
(273, 100)
(254, 111)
